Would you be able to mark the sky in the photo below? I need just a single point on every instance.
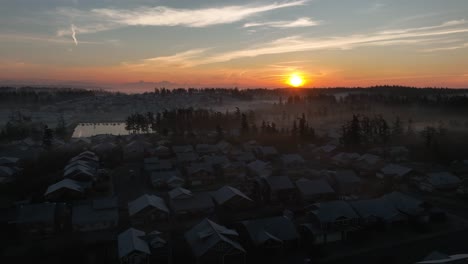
(241, 43)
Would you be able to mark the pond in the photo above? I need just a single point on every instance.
(83, 130)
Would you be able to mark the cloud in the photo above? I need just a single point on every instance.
(74, 34)
(40, 38)
(300, 44)
(462, 46)
(408, 30)
(101, 19)
(300, 22)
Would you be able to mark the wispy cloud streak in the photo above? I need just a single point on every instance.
(300, 22)
(300, 44)
(74, 34)
(101, 19)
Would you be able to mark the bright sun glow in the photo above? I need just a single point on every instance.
(296, 80)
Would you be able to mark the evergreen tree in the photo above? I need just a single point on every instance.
(47, 137)
(294, 130)
(244, 125)
(219, 132)
(397, 128)
(61, 128)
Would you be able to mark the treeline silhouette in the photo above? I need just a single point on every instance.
(41, 95)
(184, 121)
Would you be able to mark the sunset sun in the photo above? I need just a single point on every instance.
(296, 80)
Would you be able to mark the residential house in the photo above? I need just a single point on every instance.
(186, 158)
(80, 173)
(244, 156)
(231, 198)
(224, 147)
(459, 167)
(182, 149)
(325, 152)
(347, 182)
(147, 209)
(331, 221)
(185, 203)
(344, 159)
(260, 169)
(87, 156)
(368, 164)
(293, 164)
(443, 181)
(157, 165)
(216, 161)
(315, 190)
(377, 210)
(273, 233)
(97, 215)
(105, 148)
(66, 189)
(394, 171)
(162, 152)
(200, 174)
(132, 248)
(412, 208)
(8, 174)
(437, 257)
(166, 179)
(399, 153)
(206, 149)
(9, 161)
(137, 150)
(280, 189)
(234, 170)
(37, 219)
(266, 152)
(213, 243)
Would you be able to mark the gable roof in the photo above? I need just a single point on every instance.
(64, 184)
(395, 170)
(380, 208)
(158, 165)
(404, 203)
(313, 187)
(279, 228)
(327, 148)
(180, 193)
(198, 167)
(207, 234)
(277, 183)
(130, 241)
(332, 211)
(267, 150)
(261, 168)
(226, 193)
(194, 202)
(7, 171)
(144, 201)
(206, 148)
(450, 259)
(182, 148)
(344, 157)
(370, 159)
(443, 178)
(166, 176)
(8, 160)
(186, 156)
(88, 214)
(347, 176)
(292, 158)
(37, 213)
